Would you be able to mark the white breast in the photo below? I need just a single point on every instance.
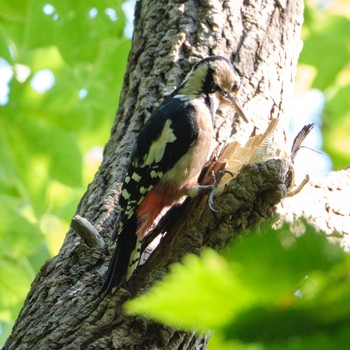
(185, 172)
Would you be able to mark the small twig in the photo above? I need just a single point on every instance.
(299, 187)
(87, 232)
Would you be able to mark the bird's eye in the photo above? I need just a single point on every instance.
(235, 87)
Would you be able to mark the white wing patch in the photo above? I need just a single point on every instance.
(134, 259)
(130, 208)
(136, 177)
(157, 149)
(143, 190)
(125, 194)
(154, 174)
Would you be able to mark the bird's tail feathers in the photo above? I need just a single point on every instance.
(125, 258)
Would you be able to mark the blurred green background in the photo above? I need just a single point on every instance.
(63, 64)
(61, 71)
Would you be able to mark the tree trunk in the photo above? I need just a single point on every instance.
(263, 37)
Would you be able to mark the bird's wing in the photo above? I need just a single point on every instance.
(164, 139)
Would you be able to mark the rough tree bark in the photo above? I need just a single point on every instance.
(62, 310)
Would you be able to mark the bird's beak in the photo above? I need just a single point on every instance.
(237, 107)
(231, 99)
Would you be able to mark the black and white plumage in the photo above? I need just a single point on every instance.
(167, 158)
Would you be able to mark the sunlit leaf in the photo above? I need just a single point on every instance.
(326, 48)
(78, 28)
(197, 294)
(5, 45)
(267, 290)
(14, 10)
(44, 135)
(337, 127)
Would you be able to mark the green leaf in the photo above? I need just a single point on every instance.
(58, 147)
(336, 129)
(21, 246)
(196, 295)
(66, 159)
(77, 33)
(14, 10)
(5, 46)
(44, 136)
(289, 257)
(326, 48)
(15, 281)
(18, 235)
(267, 289)
(5, 330)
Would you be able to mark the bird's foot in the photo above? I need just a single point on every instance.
(194, 191)
(214, 187)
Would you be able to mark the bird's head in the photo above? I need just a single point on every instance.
(216, 77)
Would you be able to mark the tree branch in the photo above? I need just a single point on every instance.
(324, 203)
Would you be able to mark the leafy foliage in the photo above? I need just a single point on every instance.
(268, 291)
(48, 138)
(326, 50)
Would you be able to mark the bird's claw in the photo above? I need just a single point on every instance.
(214, 187)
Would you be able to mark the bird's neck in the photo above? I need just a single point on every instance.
(193, 91)
(212, 102)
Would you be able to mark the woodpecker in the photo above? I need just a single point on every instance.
(168, 156)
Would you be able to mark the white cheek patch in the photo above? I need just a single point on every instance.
(157, 149)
